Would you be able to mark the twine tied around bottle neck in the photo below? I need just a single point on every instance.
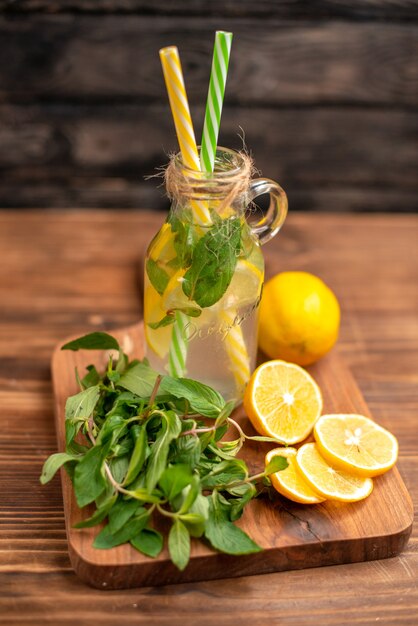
(228, 183)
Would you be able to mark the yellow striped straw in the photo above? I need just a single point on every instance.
(174, 81)
(239, 362)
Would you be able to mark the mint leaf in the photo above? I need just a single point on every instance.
(223, 534)
(213, 263)
(91, 378)
(120, 513)
(229, 471)
(144, 495)
(184, 241)
(82, 404)
(106, 539)
(119, 463)
(89, 480)
(148, 541)
(53, 463)
(158, 277)
(174, 479)
(139, 379)
(277, 464)
(247, 493)
(200, 507)
(225, 413)
(187, 450)
(93, 341)
(189, 494)
(190, 311)
(167, 320)
(111, 429)
(99, 514)
(202, 399)
(170, 429)
(179, 544)
(138, 455)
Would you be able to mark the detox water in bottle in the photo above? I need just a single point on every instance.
(203, 281)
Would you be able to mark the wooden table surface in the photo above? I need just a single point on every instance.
(64, 273)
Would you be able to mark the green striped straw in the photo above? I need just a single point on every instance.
(220, 62)
(178, 347)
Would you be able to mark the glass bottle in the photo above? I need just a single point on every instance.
(204, 273)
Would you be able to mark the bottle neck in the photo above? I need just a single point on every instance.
(223, 192)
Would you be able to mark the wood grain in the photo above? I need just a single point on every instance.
(327, 158)
(62, 57)
(320, 9)
(329, 86)
(292, 536)
(66, 272)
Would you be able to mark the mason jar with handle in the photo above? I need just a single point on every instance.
(204, 275)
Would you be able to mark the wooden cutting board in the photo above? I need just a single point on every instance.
(293, 536)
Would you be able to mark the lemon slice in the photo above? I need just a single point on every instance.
(159, 339)
(283, 401)
(174, 296)
(162, 246)
(290, 482)
(328, 480)
(356, 444)
(245, 286)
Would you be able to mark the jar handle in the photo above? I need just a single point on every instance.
(270, 224)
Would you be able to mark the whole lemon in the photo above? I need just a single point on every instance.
(299, 318)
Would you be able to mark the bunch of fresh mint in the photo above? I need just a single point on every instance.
(140, 445)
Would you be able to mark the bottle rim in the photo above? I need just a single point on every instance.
(228, 163)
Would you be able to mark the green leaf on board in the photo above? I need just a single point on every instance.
(91, 378)
(157, 462)
(53, 463)
(99, 514)
(118, 465)
(187, 450)
(111, 429)
(200, 507)
(139, 379)
(277, 464)
(202, 399)
(246, 492)
(144, 495)
(89, 480)
(189, 494)
(225, 472)
(121, 512)
(148, 541)
(93, 341)
(106, 539)
(138, 456)
(174, 479)
(82, 404)
(179, 544)
(222, 418)
(223, 534)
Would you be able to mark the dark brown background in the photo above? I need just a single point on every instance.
(326, 93)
